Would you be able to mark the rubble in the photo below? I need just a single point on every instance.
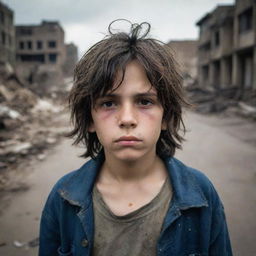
(247, 110)
(29, 123)
(30, 244)
(41, 157)
(45, 106)
(229, 100)
(6, 112)
(5, 93)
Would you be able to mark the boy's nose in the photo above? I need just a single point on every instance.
(127, 117)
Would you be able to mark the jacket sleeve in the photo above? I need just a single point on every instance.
(49, 237)
(220, 241)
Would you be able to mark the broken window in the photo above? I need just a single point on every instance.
(32, 58)
(205, 73)
(217, 38)
(245, 20)
(52, 44)
(39, 44)
(10, 20)
(21, 45)
(29, 45)
(25, 31)
(53, 58)
(207, 46)
(2, 17)
(10, 40)
(3, 35)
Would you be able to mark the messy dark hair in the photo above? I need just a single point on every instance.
(95, 74)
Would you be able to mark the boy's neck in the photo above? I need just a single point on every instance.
(146, 168)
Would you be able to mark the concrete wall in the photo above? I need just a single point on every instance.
(185, 53)
(71, 59)
(227, 32)
(7, 35)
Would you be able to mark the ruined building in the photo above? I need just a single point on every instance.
(42, 43)
(71, 59)
(7, 35)
(227, 46)
(185, 52)
(40, 55)
(41, 47)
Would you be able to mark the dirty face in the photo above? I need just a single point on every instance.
(128, 120)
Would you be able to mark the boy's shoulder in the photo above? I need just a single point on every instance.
(74, 175)
(190, 183)
(185, 170)
(76, 185)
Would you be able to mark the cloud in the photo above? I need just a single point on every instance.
(85, 22)
(84, 35)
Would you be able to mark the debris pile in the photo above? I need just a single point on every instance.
(228, 100)
(41, 79)
(28, 123)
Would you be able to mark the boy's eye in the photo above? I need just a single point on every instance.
(145, 102)
(108, 104)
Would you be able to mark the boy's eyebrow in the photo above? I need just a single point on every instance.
(144, 94)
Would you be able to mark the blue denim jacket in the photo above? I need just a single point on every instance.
(194, 225)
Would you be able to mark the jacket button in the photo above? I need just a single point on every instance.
(84, 243)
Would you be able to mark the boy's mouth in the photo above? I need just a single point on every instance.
(128, 140)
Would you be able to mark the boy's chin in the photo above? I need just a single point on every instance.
(130, 156)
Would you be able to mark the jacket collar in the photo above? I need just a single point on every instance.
(77, 190)
(186, 191)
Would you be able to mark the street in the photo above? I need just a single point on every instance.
(223, 148)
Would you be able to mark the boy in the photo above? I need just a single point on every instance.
(133, 198)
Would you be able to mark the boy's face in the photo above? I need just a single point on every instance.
(128, 120)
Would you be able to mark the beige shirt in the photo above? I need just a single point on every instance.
(134, 234)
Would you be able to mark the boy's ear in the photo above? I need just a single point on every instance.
(164, 125)
(91, 127)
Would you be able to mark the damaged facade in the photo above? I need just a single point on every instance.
(185, 52)
(42, 43)
(42, 57)
(227, 47)
(71, 59)
(7, 35)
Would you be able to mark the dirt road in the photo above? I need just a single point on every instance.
(224, 149)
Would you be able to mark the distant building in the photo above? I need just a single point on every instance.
(227, 46)
(71, 59)
(42, 44)
(244, 56)
(7, 35)
(185, 52)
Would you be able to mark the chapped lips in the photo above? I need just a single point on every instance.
(127, 138)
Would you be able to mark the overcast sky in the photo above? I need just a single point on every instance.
(86, 21)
